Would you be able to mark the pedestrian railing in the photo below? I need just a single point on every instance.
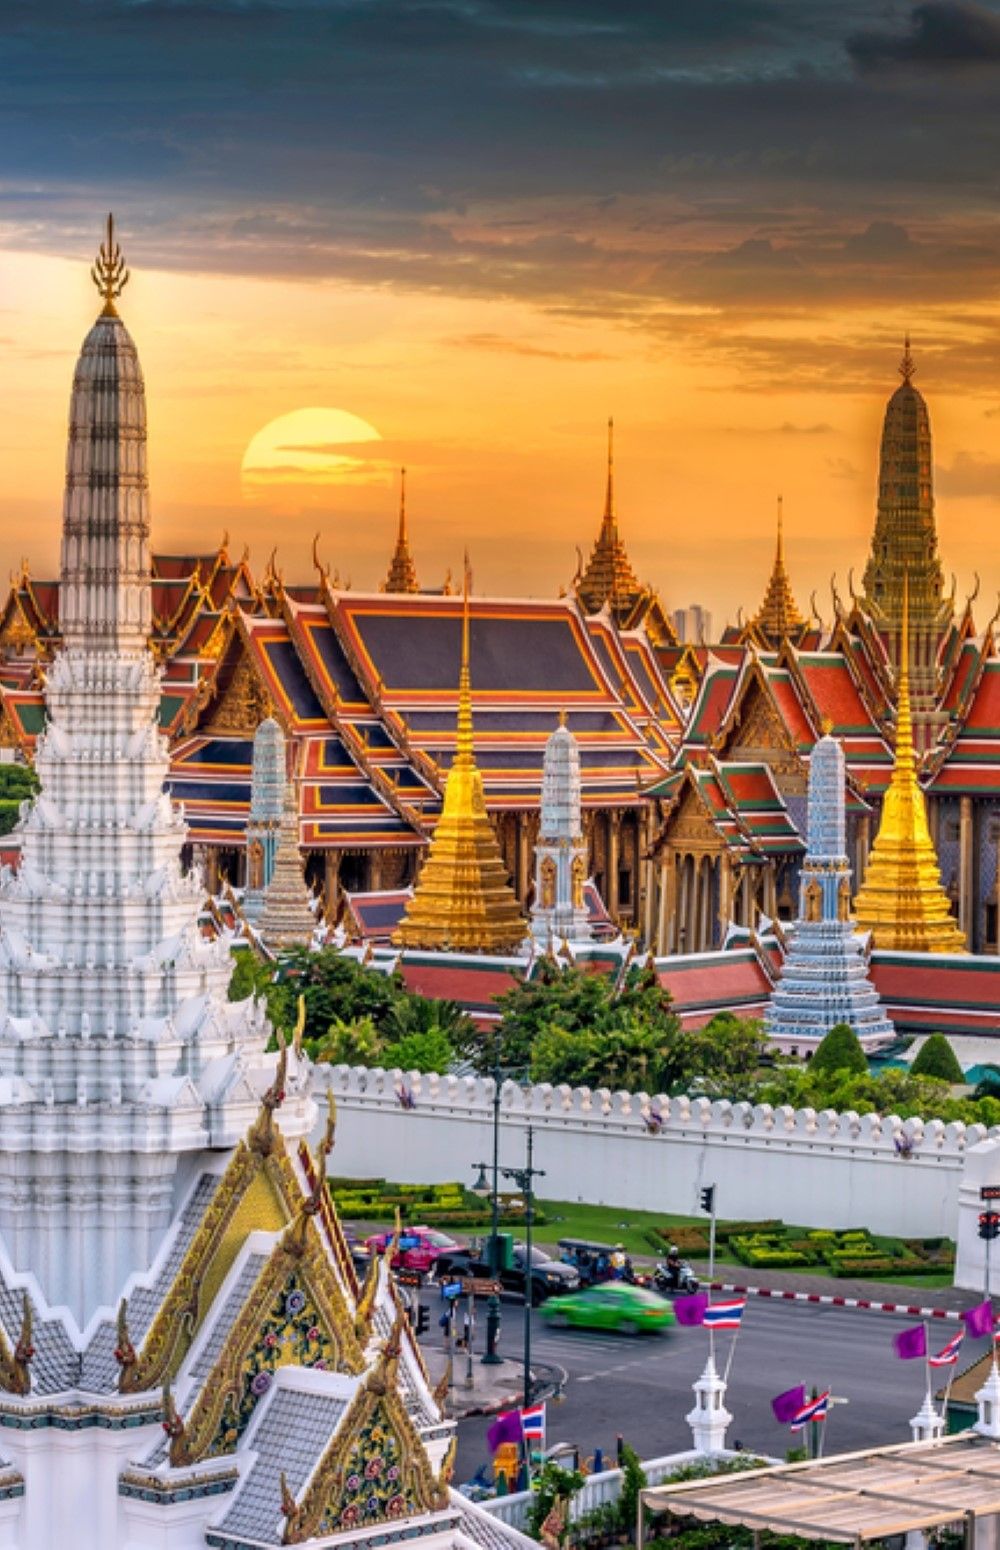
(597, 1490)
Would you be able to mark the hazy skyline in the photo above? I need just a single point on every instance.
(481, 226)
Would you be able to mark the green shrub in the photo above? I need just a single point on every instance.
(937, 1058)
(873, 1266)
(840, 1051)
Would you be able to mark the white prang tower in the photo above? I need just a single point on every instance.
(560, 908)
(120, 1058)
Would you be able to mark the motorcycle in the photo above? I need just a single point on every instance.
(675, 1281)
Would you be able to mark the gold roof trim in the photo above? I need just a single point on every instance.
(208, 1259)
(299, 1254)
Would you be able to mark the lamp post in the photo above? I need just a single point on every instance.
(524, 1180)
(491, 1359)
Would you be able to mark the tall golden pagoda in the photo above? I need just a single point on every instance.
(901, 900)
(402, 575)
(463, 899)
(609, 577)
(778, 615)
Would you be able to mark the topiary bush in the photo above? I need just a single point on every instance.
(840, 1051)
(936, 1058)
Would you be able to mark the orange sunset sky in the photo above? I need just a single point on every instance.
(482, 229)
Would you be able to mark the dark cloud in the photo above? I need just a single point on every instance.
(942, 35)
(611, 163)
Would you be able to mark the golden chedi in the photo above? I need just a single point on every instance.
(901, 900)
(463, 899)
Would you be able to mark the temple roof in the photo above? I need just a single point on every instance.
(778, 617)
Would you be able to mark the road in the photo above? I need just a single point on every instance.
(641, 1387)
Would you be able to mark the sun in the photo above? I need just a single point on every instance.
(311, 448)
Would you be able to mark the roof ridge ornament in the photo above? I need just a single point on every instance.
(108, 272)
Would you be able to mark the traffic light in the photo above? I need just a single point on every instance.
(423, 1318)
(989, 1225)
(708, 1198)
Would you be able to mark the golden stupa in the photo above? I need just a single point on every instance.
(463, 900)
(901, 900)
(778, 614)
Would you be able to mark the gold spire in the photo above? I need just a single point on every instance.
(778, 614)
(906, 365)
(901, 900)
(402, 575)
(609, 577)
(463, 899)
(109, 273)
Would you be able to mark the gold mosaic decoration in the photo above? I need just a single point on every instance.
(256, 1191)
(374, 1470)
(295, 1315)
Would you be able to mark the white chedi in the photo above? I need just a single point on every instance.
(120, 1057)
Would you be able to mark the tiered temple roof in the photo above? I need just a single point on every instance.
(778, 617)
(402, 575)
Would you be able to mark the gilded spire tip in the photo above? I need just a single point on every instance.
(109, 273)
(907, 367)
(609, 498)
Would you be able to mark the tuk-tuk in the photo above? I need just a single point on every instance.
(593, 1261)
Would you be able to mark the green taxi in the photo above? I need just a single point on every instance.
(630, 1310)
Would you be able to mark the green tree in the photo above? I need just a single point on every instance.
(988, 1085)
(937, 1058)
(428, 1050)
(336, 989)
(356, 1043)
(840, 1051)
(18, 782)
(411, 1014)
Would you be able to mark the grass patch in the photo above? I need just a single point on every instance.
(634, 1230)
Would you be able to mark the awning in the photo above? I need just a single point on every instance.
(849, 1497)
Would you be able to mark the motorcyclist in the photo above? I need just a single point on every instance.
(673, 1267)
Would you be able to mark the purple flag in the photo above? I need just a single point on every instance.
(911, 1342)
(979, 1320)
(786, 1406)
(506, 1428)
(691, 1310)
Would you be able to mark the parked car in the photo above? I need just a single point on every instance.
(548, 1276)
(631, 1310)
(419, 1247)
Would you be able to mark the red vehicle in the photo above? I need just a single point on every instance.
(418, 1247)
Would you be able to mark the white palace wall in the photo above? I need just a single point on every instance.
(814, 1168)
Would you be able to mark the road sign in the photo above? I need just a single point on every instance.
(481, 1286)
(453, 1289)
(990, 1192)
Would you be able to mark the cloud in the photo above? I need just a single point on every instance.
(943, 35)
(507, 346)
(969, 477)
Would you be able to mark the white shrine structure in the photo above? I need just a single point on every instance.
(559, 911)
(186, 1356)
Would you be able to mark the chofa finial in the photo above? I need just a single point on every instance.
(109, 273)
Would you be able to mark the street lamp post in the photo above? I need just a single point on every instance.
(524, 1180)
(491, 1359)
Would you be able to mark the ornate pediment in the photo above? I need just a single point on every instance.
(255, 1192)
(295, 1315)
(689, 826)
(242, 704)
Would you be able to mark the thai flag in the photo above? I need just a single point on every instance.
(814, 1411)
(533, 1423)
(724, 1315)
(948, 1354)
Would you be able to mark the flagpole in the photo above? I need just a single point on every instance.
(825, 1423)
(927, 1362)
(732, 1351)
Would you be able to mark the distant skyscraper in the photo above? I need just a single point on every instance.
(692, 624)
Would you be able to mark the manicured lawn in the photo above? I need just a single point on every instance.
(607, 1224)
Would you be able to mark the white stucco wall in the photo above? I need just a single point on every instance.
(819, 1169)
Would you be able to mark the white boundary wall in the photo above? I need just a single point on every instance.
(816, 1168)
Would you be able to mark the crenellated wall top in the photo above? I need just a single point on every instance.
(654, 1116)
